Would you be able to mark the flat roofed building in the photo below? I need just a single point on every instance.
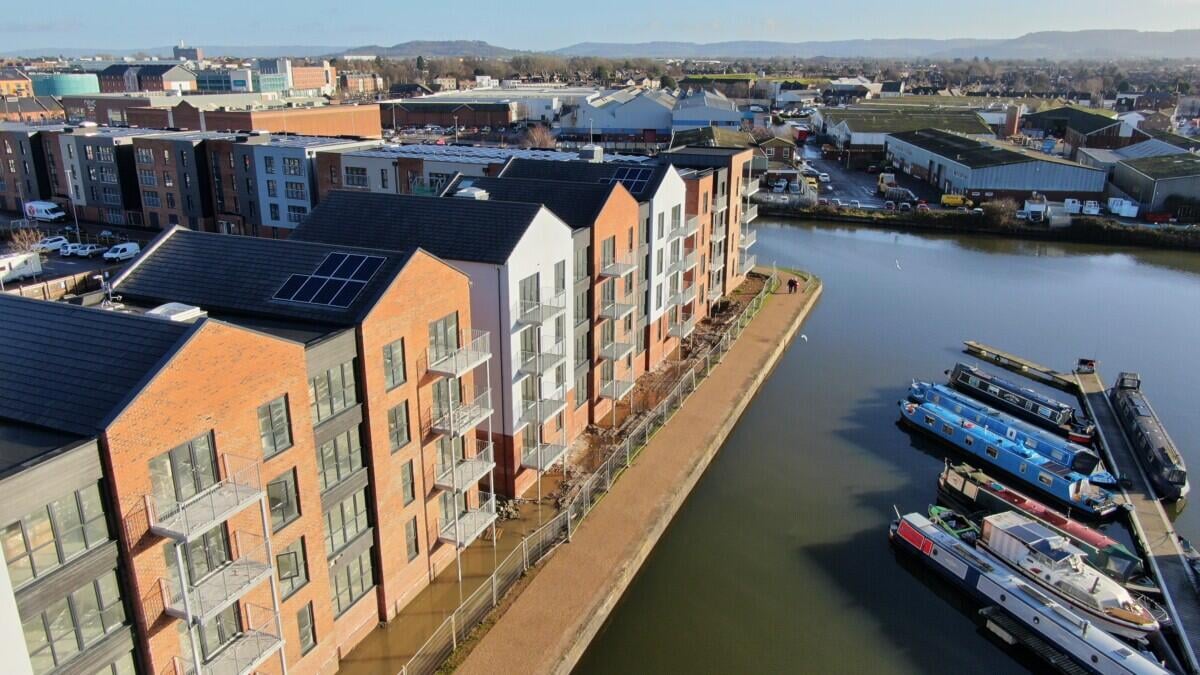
(1163, 184)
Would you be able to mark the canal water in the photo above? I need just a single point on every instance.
(779, 561)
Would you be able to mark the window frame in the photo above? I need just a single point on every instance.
(269, 408)
(293, 497)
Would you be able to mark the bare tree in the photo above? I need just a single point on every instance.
(538, 137)
(23, 240)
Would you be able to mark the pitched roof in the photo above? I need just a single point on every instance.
(239, 276)
(591, 172)
(577, 204)
(972, 152)
(1082, 121)
(68, 368)
(484, 231)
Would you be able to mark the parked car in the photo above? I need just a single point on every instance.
(872, 169)
(822, 202)
(956, 200)
(823, 177)
(794, 188)
(1022, 215)
(1091, 208)
(905, 207)
(855, 204)
(922, 208)
(121, 252)
(69, 249)
(889, 205)
(50, 244)
(836, 203)
(90, 250)
(106, 234)
(46, 212)
(977, 211)
(899, 194)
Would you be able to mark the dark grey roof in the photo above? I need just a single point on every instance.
(577, 204)
(473, 230)
(585, 172)
(235, 275)
(24, 445)
(68, 368)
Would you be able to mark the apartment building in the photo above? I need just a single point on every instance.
(13, 82)
(661, 193)
(149, 77)
(315, 80)
(245, 112)
(232, 183)
(519, 258)
(23, 169)
(96, 174)
(604, 220)
(342, 456)
(360, 83)
(174, 175)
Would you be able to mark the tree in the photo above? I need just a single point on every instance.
(668, 82)
(23, 240)
(538, 137)
(420, 64)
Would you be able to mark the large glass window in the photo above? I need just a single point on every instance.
(292, 568)
(307, 628)
(443, 336)
(394, 371)
(274, 427)
(356, 176)
(332, 391)
(291, 167)
(220, 631)
(202, 557)
(284, 502)
(351, 582)
(412, 544)
(294, 190)
(45, 539)
(345, 521)
(74, 623)
(183, 472)
(339, 457)
(398, 435)
(407, 487)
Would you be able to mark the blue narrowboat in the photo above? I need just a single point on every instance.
(1058, 481)
(1079, 458)
(1022, 402)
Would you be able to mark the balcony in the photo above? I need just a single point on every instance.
(460, 361)
(747, 262)
(684, 327)
(749, 213)
(747, 239)
(717, 264)
(184, 521)
(543, 359)
(719, 232)
(250, 648)
(536, 312)
(615, 389)
(615, 351)
(720, 203)
(539, 412)
(691, 226)
(199, 602)
(469, 524)
(683, 296)
(714, 292)
(618, 308)
(749, 187)
(618, 266)
(464, 416)
(542, 456)
(466, 472)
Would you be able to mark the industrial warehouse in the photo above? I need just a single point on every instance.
(989, 169)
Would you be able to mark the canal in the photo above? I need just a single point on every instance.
(779, 560)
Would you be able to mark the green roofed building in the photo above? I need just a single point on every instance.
(1153, 181)
(860, 133)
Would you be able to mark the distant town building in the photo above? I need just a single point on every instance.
(13, 82)
(182, 53)
(358, 83)
(150, 77)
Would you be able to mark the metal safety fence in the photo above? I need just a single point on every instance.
(538, 544)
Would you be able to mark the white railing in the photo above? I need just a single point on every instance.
(538, 311)
(749, 213)
(747, 239)
(542, 456)
(469, 524)
(458, 362)
(615, 389)
(240, 487)
(615, 350)
(465, 472)
(720, 203)
(536, 545)
(619, 307)
(199, 601)
(684, 327)
(747, 262)
(719, 232)
(691, 225)
(464, 416)
(687, 261)
(749, 187)
(714, 292)
(618, 266)
(542, 359)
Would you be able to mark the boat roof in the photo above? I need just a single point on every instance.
(1014, 387)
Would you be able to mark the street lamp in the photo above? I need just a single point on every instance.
(456, 128)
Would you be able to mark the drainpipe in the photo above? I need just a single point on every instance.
(506, 410)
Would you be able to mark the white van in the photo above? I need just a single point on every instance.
(46, 212)
(121, 252)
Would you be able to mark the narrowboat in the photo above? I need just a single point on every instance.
(972, 491)
(1023, 402)
(1047, 476)
(992, 583)
(1079, 458)
(1159, 457)
(1051, 562)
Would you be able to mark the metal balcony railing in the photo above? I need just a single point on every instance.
(720, 203)
(714, 292)
(199, 601)
(747, 239)
(459, 418)
(466, 472)
(470, 523)
(675, 230)
(615, 351)
(250, 648)
(717, 264)
(747, 262)
(691, 226)
(618, 266)
(542, 456)
(689, 260)
(542, 359)
(619, 307)
(460, 361)
(683, 296)
(719, 232)
(749, 213)
(684, 326)
(615, 389)
(749, 187)
(186, 520)
(533, 312)
(542, 410)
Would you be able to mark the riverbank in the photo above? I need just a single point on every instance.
(550, 624)
(1082, 230)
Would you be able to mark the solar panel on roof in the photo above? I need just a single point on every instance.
(336, 282)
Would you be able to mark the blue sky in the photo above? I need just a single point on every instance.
(543, 24)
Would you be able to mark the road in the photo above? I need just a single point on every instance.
(847, 184)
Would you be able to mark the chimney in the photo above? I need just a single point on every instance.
(1012, 121)
(592, 153)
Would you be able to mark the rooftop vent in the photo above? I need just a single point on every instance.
(472, 193)
(592, 153)
(178, 312)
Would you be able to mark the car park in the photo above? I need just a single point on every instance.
(69, 249)
(46, 212)
(50, 244)
(90, 250)
(121, 252)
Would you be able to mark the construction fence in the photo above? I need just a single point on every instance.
(539, 543)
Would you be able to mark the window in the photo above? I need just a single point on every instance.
(581, 306)
(296, 213)
(182, 472)
(443, 336)
(345, 521)
(166, 155)
(383, 179)
(398, 435)
(356, 176)
(219, 631)
(292, 568)
(661, 225)
(332, 391)
(394, 371)
(282, 498)
(294, 190)
(560, 276)
(74, 623)
(676, 217)
(291, 167)
(581, 389)
(413, 545)
(339, 458)
(307, 628)
(581, 262)
(147, 177)
(992, 452)
(406, 483)
(43, 540)
(351, 582)
(274, 427)
(112, 196)
(108, 174)
(1046, 479)
(170, 200)
(104, 153)
(168, 180)
(274, 211)
(151, 199)
(269, 164)
(658, 296)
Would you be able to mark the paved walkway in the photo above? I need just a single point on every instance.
(551, 622)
